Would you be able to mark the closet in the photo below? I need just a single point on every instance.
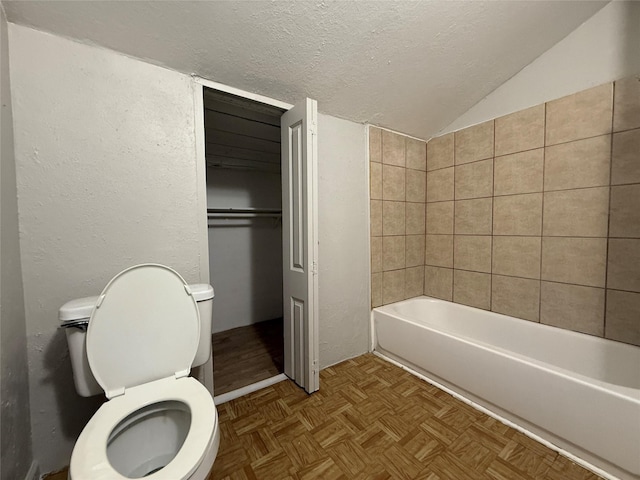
(244, 212)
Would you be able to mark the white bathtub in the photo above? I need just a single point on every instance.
(578, 392)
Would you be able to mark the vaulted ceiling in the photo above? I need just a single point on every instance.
(412, 66)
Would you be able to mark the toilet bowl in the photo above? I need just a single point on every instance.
(158, 423)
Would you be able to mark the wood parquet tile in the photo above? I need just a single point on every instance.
(372, 420)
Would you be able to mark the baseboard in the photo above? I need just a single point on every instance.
(34, 472)
(254, 387)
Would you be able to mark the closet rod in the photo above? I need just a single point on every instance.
(244, 210)
(243, 215)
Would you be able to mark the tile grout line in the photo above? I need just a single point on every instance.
(381, 226)
(535, 193)
(533, 278)
(424, 245)
(453, 220)
(544, 146)
(404, 235)
(539, 148)
(532, 236)
(493, 203)
(544, 161)
(606, 256)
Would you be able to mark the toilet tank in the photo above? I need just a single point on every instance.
(203, 295)
(74, 318)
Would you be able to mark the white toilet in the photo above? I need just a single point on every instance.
(141, 341)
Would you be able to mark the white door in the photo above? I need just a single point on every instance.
(300, 243)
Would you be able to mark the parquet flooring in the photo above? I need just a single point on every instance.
(373, 420)
(246, 355)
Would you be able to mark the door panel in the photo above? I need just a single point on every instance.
(300, 245)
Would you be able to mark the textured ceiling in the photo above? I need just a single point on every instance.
(412, 66)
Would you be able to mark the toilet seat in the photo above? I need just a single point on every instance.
(89, 459)
(145, 326)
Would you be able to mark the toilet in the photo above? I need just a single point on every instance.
(142, 338)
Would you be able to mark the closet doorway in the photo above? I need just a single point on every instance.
(244, 213)
(261, 198)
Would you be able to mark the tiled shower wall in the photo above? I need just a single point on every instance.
(537, 214)
(398, 182)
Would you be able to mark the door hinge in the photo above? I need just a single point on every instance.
(314, 268)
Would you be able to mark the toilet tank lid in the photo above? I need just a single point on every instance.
(201, 291)
(81, 308)
(77, 309)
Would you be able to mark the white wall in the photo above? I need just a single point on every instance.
(106, 174)
(245, 256)
(15, 419)
(604, 48)
(343, 256)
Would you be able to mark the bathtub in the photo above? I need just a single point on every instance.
(577, 392)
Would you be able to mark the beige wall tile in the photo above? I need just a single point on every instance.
(415, 218)
(393, 149)
(473, 217)
(518, 297)
(523, 130)
(519, 173)
(583, 163)
(474, 180)
(415, 250)
(474, 143)
(472, 252)
(627, 104)
(623, 317)
(581, 261)
(625, 159)
(393, 253)
(376, 290)
(438, 282)
(393, 284)
(376, 218)
(518, 215)
(393, 183)
(439, 250)
(416, 154)
(414, 282)
(376, 254)
(440, 185)
(572, 307)
(624, 264)
(416, 186)
(625, 211)
(516, 256)
(375, 177)
(440, 217)
(576, 213)
(440, 152)
(581, 115)
(375, 144)
(472, 288)
(393, 218)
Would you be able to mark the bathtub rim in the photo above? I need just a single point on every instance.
(623, 391)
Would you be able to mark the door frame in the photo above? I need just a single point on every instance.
(201, 165)
(201, 178)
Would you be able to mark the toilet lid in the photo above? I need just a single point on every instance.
(145, 327)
